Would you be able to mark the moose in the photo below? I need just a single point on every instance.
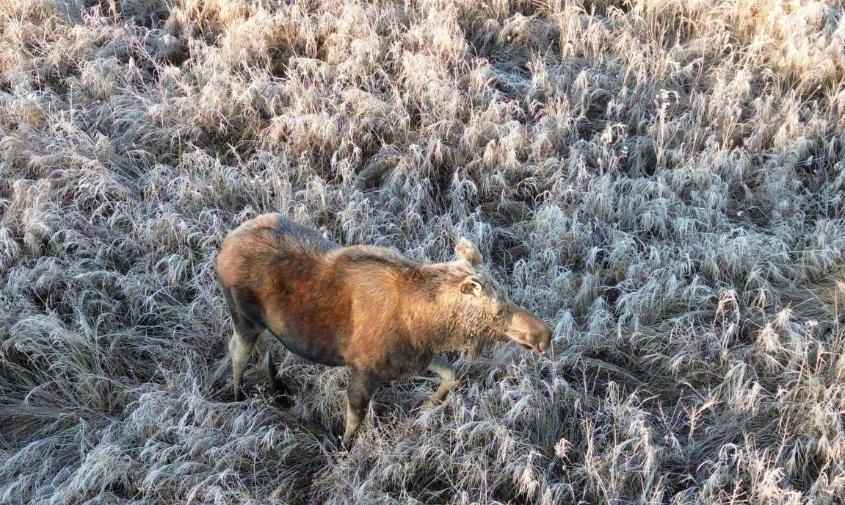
(368, 308)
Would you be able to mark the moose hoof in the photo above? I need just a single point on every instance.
(283, 401)
(347, 442)
(432, 403)
(277, 387)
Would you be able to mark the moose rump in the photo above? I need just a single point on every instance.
(269, 269)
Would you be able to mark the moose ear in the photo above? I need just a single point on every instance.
(466, 250)
(470, 286)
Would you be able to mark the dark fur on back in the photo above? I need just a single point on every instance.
(286, 229)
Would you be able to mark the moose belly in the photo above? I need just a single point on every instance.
(312, 348)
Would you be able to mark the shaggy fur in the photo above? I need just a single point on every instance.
(661, 180)
(368, 308)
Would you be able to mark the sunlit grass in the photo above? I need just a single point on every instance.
(660, 180)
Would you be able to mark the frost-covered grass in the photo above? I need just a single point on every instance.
(662, 181)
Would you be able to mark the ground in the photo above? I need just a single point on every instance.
(662, 181)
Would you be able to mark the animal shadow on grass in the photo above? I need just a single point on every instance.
(219, 387)
(255, 386)
(392, 404)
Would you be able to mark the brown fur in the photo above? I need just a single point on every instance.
(368, 308)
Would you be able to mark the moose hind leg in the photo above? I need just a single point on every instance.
(361, 388)
(446, 372)
(239, 350)
(248, 326)
(265, 351)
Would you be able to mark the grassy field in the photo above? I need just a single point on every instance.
(662, 181)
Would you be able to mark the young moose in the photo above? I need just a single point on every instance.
(368, 308)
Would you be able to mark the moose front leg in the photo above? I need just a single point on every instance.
(361, 388)
(446, 372)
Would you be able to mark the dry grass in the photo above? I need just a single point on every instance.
(662, 180)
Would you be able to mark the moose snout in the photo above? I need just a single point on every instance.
(544, 339)
(530, 332)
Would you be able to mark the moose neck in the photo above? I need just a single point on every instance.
(432, 324)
